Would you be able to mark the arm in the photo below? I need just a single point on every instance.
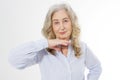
(93, 64)
(27, 54)
(31, 53)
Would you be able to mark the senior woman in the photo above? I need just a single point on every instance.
(61, 56)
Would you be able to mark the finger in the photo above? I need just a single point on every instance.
(58, 42)
(65, 43)
(57, 49)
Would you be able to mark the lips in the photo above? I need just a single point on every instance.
(62, 32)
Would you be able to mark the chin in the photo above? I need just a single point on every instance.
(64, 38)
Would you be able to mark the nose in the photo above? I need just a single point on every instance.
(62, 26)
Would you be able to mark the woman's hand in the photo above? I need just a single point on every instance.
(57, 43)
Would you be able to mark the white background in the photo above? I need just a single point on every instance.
(21, 21)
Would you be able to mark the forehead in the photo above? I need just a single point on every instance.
(60, 14)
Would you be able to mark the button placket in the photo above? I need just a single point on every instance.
(69, 69)
(65, 62)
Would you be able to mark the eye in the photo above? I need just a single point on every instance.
(66, 20)
(56, 23)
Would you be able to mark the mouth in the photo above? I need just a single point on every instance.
(62, 33)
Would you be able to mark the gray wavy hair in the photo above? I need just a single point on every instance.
(48, 31)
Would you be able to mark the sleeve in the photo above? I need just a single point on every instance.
(27, 54)
(93, 64)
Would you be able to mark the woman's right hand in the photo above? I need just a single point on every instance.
(57, 43)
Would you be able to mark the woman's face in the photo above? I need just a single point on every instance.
(61, 24)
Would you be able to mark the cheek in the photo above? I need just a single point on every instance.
(69, 28)
(70, 31)
(55, 30)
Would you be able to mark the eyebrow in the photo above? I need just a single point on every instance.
(57, 19)
(66, 18)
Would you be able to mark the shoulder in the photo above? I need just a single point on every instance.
(83, 46)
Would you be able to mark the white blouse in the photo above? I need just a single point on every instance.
(56, 67)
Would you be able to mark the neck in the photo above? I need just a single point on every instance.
(64, 50)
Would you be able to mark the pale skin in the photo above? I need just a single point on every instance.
(62, 28)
